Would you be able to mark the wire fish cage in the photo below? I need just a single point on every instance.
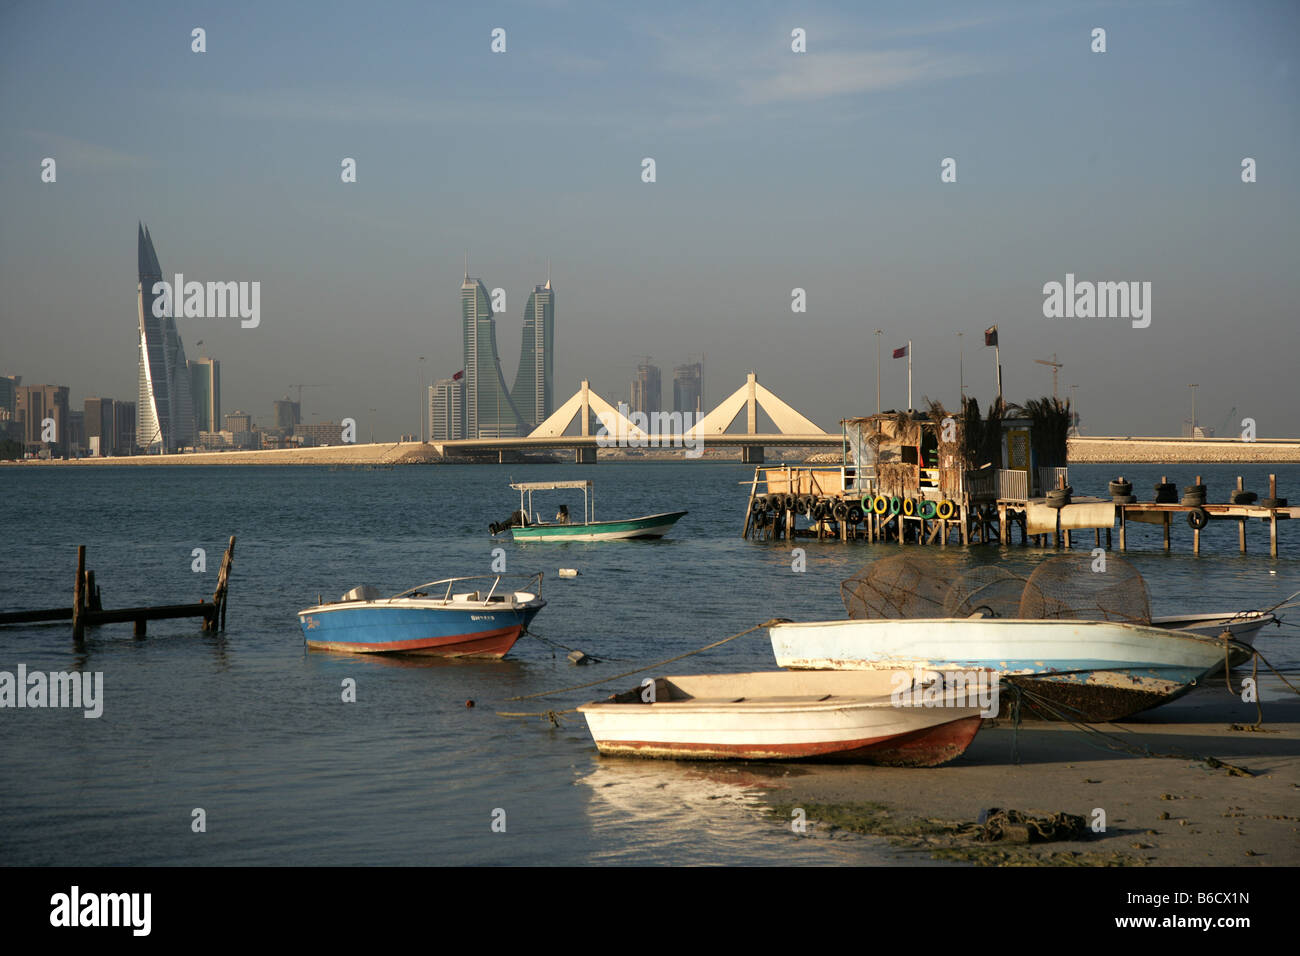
(990, 591)
(894, 587)
(1079, 586)
(1064, 586)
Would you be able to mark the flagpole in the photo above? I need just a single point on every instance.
(909, 375)
(997, 358)
(878, 333)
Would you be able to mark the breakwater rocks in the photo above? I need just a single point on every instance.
(401, 453)
(1174, 451)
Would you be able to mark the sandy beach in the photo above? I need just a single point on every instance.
(1160, 811)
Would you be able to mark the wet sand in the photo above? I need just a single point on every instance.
(1159, 811)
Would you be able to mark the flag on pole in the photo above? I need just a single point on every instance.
(458, 376)
(991, 337)
(899, 353)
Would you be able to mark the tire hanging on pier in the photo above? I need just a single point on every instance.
(1198, 518)
(927, 509)
(840, 511)
(909, 507)
(895, 505)
(945, 509)
(880, 504)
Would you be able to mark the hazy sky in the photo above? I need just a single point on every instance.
(775, 170)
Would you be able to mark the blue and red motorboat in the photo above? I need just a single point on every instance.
(479, 617)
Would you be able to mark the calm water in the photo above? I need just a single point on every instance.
(250, 727)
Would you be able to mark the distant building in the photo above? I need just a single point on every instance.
(447, 410)
(323, 433)
(688, 388)
(165, 411)
(287, 414)
(238, 421)
(34, 406)
(646, 390)
(124, 427)
(9, 427)
(490, 411)
(100, 418)
(205, 389)
(76, 444)
(532, 392)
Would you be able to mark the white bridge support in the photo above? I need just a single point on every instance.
(583, 403)
(753, 396)
(621, 430)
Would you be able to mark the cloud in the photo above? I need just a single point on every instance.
(809, 77)
(79, 153)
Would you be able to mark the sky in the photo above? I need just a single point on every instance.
(774, 171)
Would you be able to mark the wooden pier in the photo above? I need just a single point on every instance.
(826, 503)
(88, 610)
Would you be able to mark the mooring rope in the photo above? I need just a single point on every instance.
(553, 714)
(1114, 743)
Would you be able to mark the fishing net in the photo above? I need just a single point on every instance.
(990, 590)
(894, 587)
(1102, 588)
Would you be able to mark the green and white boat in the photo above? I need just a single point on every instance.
(525, 526)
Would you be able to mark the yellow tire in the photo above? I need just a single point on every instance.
(880, 504)
(909, 507)
(945, 510)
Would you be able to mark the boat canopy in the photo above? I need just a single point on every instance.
(526, 488)
(550, 485)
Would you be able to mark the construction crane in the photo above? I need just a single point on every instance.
(1226, 422)
(1055, 366)
(306, 385)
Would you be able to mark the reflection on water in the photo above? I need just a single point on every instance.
(680, 812)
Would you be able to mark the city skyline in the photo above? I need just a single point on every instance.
(776, 171)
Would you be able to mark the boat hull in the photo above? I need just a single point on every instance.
(649, 526)
(1081, 670)
(843, 724)
(366, 628)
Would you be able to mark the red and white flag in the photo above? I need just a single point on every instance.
(899, 353)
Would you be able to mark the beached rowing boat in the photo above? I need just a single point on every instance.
(1086, 670)
(783, 715)
(464, 620)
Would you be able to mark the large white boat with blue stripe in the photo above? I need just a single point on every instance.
(524, 525)
(1068, 669)
(479, 616)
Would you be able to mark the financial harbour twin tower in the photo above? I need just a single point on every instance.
(477, 403)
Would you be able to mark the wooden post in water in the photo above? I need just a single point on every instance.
(1123, 528)
(1196, 533)
(1166, 522)
(79, 597)
(1241, 522)
(1272, 517)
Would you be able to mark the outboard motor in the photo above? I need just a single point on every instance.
(517, 519)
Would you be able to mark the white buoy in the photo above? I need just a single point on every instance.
(568, 572)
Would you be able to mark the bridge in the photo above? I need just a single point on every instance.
(602, 425)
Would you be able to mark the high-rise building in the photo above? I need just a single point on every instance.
(37, 405)
(490, 412)
(447, 410)
(9, 397)
(101, 426)
(165, 411)
(688, 388)
(646, 390)
(124, 427)
(287, 414)
(532, 392)
(205, 389)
